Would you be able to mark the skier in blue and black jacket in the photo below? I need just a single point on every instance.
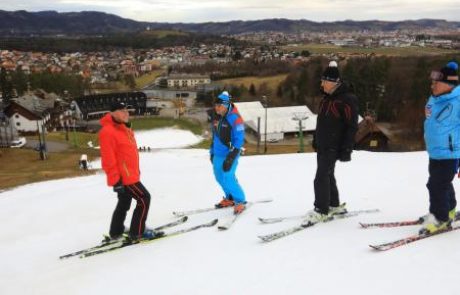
(227, 141)
(442, 138)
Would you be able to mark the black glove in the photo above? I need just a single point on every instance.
(211, 157)
(230, 158)
(345, 155)
(119, 187)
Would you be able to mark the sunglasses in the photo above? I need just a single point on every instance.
(438, 76)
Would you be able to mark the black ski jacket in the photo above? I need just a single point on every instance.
(337, 121)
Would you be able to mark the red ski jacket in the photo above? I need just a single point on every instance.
(120, 158)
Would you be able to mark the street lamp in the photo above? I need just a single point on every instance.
(265, 99)
(300, 117)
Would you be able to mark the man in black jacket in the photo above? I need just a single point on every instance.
(336, 127)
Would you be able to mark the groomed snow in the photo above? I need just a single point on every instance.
(40, 222)
(166, 138)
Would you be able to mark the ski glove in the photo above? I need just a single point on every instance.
(230, 158)
(345, 155)
(119, 187)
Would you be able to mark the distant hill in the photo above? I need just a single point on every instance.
(52, 22)
(21, 22)
(295, 26)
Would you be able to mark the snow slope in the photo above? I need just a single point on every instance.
(166, 138)
(40, 222)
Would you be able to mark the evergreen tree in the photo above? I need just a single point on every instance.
(305, 53)
(163, 83)
(302, 86)
(19, 81)
(130, 81)
(5, 86)
(279, 91)
(252, 90)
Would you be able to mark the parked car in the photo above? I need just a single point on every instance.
(20, 142)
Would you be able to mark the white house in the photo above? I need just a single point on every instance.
(25, 120)
(280, 120)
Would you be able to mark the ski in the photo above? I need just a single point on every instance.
(106, 244)
(124, 244)
(307, 224)
(202, 210)
(399, 223)
(392, 224)
(226, 223)
(410, 239)
(279, 219)
(295, 217)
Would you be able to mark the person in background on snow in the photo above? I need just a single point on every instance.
(442, 138)
(84, 162)
(120, 161)
(336, 126)
(227, 141)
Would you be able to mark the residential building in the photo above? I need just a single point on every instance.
(25, 119)
(187, 80)
(95, 106)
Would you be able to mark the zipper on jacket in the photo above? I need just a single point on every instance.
(126, 169)
(451, 147)
(442, 111)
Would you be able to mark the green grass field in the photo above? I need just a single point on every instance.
(389, 51)
(76, 139)
(147, 123)
(272, 81)
(147, 79)
(23, 166)
(163, 33)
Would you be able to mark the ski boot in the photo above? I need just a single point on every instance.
(225, 203)
(239, 208)
(316, 216)
(112, 239)
(338, 210)
(452, 215)
(432, 225)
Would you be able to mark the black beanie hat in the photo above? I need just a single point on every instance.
(331, 73)
(450, 73)
(118, 106)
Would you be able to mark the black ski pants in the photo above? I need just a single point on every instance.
(326, 193)
(442, 193)
(139, 193)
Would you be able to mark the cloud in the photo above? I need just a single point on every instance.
(225, 10)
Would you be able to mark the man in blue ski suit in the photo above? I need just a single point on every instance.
(442, 138)
(227, 140)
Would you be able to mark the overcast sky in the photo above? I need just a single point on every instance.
(225, 10)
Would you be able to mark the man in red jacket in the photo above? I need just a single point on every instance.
(120, 161)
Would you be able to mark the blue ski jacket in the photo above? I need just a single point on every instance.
(227, 132)
(442, 125)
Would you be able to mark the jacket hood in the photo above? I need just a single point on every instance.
(106, 120)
